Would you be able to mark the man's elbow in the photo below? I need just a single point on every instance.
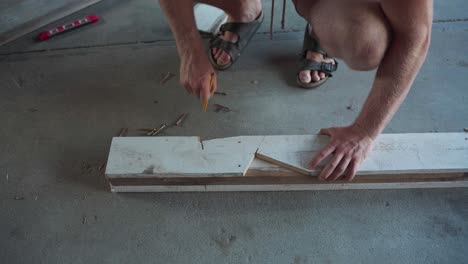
(416, 41)
(421, 37)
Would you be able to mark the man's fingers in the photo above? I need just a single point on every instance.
(325, 131)
(327, 150)
(205, 93)
(352, 169)
(331, 165)
(215, 85)
(340, 168)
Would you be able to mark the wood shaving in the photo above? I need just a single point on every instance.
(222, 108)
(166, 78)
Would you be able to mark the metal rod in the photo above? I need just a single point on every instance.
(271, 19)
(284, 11)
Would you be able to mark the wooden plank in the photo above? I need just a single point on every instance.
(290, 187)
(180, 156)
(392, 153)
(417, 160)
(43, 20)
(298, 179)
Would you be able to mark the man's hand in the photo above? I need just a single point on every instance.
(349, 147)
(195, 73)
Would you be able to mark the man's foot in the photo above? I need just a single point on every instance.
(248, 14)
(316, 67)
(308, 76)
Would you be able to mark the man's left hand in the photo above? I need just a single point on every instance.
(348, 146)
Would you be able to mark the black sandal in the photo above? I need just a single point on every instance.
(312, 44)
(244, 31)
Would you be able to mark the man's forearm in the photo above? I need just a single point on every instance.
(181, 20)
(393, 80)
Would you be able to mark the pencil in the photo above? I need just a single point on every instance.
(205, 103)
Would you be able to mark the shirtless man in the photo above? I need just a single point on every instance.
(391, 36)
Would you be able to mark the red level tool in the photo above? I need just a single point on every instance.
(45, 35)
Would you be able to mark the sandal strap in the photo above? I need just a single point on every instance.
(244, 32)
(326, 67)
(311, 43)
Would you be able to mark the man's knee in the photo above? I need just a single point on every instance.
(368, 43)
(366, 55)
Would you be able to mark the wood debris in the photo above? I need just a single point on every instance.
(6, 177)
(145, 129)
(220, 93)
(255, 82)
(181, 119)
(222, 108)
(17, 197)
(123, 132)
(84, 220)
(156, 131)
(166, 78)
(101, 166)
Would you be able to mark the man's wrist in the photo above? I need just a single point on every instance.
(366, 130)
(188, 38)
(189, 43)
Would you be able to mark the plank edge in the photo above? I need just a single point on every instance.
(291, 187)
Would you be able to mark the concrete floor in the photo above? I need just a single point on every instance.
(60, 108)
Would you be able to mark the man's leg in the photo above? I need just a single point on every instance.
(237, 11)
(357, 33)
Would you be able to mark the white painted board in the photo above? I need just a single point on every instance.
(180, 156)
(392, 153)
(141, 157)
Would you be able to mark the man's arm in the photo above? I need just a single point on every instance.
(195, 68)
(410, 21)
(179, 14)
(411, 24)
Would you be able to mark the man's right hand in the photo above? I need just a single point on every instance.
(196, 71)
(195, 68)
